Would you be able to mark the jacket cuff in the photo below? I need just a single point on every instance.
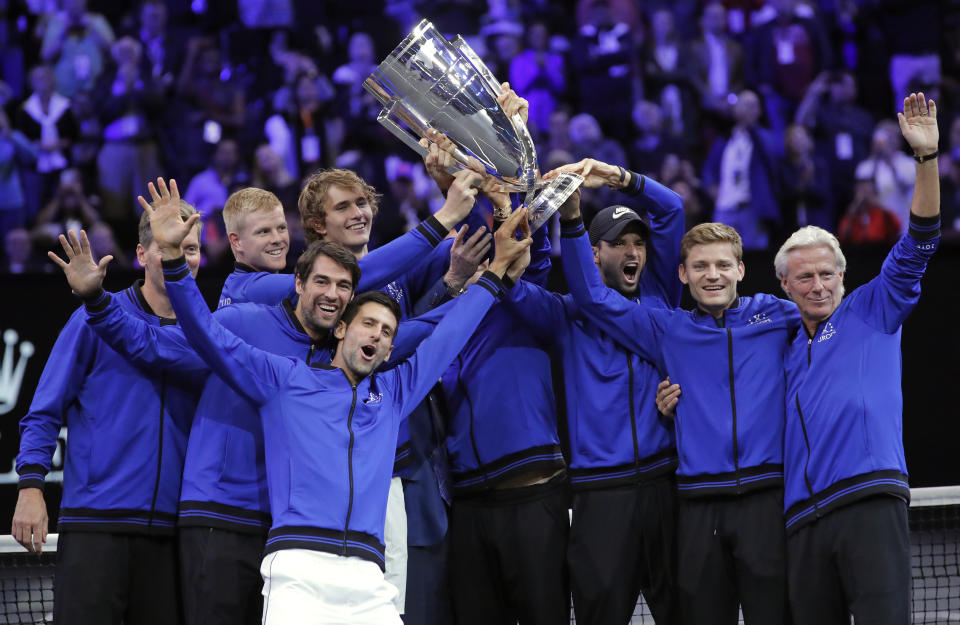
(508, 282)
(432, 230)
(97, 302)
(175, 269)
(31, 476)
(572, 228)
(924, 228)
(636, 184)
(492, 282)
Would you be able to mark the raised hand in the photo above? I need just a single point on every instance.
(84, 275)
(466, 255)
(595, 173)
(460, 198)
(169, 228)
(512, 104)
(437, 161)
(508, 248)
(918, 123)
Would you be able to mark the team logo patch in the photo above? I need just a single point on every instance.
(373, 398)
(827, 333)
(759, 318)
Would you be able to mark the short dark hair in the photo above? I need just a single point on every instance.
(335, 252)
(375, 297)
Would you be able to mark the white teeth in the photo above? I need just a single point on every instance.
(328, 308)
(274, 252)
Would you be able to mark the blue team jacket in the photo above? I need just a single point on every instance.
(844, 438)
(224, 475)
(127, 429)
(499, 394)
(321, 434)
(729, 423)
(611, 390)
(377, 269)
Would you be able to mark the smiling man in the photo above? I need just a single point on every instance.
(729, 425)
(323, 552)
(846, 497)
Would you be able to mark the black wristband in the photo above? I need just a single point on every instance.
(926, 157)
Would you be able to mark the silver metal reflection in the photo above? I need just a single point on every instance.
(429, 83)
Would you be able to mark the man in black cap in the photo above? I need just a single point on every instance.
(622, 453)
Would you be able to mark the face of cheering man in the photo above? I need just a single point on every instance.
(619, 240)
(348, 217)
(621, 260)
(814, 282)
(712, 271)
(262, 240)
(324, 294)
(366, 336)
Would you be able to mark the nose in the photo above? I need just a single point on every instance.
(355, 210)
(817, 284)
(712, 273)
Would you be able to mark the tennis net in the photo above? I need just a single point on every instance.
(26, 580)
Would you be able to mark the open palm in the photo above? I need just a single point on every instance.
(918, 123)
(168, 226)
(84, 275)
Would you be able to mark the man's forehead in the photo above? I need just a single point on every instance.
(326, 266)
(819, 255)
(339, 193)
(721, 250)
(377, 312)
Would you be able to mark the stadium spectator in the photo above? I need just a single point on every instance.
(866, 220)
(45, 118)
(668, 77)
(842, 128)
(209, 189)
(587, 140)
(788, 53)
(70, 209)
(18, 256)
(741, 175)
(717, 65)
(131, 105)
(270, 173)
(17, 153)
(653, 143)
(76, 42)
(540, 75)
(892, 171)
(805, 183)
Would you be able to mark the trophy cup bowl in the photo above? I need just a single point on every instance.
(432, 84)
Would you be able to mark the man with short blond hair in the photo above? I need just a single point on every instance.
(729, 424)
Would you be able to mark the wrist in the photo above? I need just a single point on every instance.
(454, 285)
(499, 268)
(925, 155)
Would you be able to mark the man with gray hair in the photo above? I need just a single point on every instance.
(846, 491)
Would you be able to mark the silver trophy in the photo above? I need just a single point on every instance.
(429, 83)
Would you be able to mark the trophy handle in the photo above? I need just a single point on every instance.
(552, 198)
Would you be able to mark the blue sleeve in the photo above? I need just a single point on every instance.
(665, 208)
(885, 302)
(412, 332)
(636, 327)
(63, 377)
(267, 288)
(543, 312)
(144, 344)
(249, 371)
(434, 296)
(539, 269)
(416, 376)
(388, 262)
(425, 276)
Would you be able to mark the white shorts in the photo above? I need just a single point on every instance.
(316, 588)
(395, 541)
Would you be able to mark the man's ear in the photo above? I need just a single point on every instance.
(389, 352)
(683, 273)
(141, 254)
(234, 241)
(340, 330)
(298, 284)
(741, 270)
(596, 255)
(318, 225)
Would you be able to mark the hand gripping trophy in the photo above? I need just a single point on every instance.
(431, 85)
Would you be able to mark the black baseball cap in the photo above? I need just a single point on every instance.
(610, 222)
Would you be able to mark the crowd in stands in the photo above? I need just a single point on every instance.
(763, 114)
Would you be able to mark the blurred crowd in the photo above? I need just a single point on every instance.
(764, 114)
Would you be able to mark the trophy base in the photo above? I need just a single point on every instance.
(552, 198)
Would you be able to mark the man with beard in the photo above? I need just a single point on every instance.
(624, 510)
